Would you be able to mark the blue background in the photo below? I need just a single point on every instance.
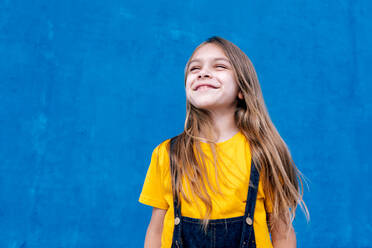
(89, 88)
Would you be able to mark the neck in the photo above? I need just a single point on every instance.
(224, 124)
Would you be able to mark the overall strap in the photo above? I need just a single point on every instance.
(248, 239)
(177, 209)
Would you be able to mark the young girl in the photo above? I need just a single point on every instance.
(228, 180)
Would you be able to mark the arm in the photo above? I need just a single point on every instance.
(279, 236)
(155, 229)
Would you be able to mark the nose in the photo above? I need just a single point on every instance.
(204, 73)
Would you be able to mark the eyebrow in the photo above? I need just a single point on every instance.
(198, 60)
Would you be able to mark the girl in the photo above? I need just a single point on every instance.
(228, 180)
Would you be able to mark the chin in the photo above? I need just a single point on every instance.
(204, 107)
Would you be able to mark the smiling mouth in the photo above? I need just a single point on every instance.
(203, 87)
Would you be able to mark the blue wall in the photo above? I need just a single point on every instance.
(89, 88)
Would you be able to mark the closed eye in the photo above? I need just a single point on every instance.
(221, 66)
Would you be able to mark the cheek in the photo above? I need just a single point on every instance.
(187, 86)
(188, 82)
(232, 85)
(232, 80)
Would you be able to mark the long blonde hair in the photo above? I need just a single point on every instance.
(280, 178)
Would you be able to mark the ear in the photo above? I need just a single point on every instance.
(240, 95)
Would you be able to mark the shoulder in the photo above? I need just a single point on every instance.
(160, 155)
(162, 148)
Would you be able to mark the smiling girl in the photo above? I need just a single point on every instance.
(228, 180)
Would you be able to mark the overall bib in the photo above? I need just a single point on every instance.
(221, 233)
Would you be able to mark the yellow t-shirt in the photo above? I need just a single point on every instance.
(235, 163)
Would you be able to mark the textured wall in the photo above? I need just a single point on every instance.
(89, 88)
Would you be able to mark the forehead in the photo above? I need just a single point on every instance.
(209, 51)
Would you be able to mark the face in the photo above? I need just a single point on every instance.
(210, 82)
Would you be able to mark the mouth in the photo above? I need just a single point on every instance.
(205, 86)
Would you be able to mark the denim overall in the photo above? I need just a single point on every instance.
(221, 233)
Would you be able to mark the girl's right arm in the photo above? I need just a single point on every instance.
(155, 228)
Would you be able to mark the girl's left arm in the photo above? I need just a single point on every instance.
(281, 237)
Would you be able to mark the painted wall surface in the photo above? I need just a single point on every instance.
(89, 88)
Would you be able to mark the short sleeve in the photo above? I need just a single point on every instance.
(152, 191)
